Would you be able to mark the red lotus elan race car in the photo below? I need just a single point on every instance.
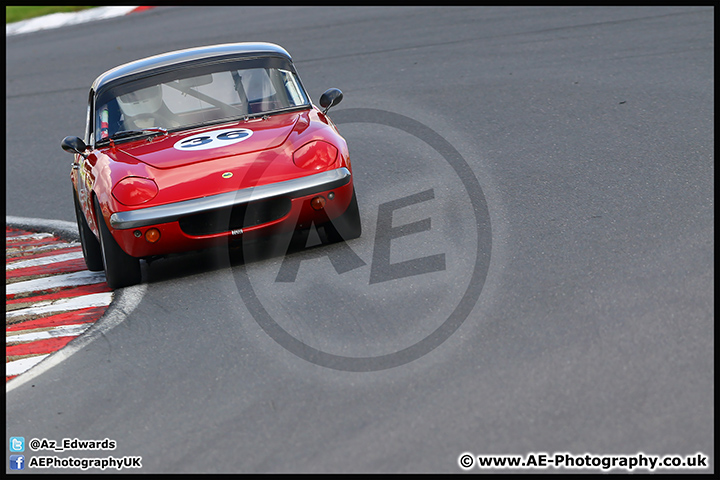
(194, 148)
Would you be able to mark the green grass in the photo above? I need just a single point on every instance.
(15, 14)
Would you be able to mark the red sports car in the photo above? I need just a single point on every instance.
(198, 147)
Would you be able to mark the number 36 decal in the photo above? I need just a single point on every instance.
(214, 139)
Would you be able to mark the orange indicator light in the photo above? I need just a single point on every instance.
(152, 235)
(318, 203)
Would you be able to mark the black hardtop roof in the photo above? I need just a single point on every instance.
(189, 55)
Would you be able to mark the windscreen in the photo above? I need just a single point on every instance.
(186, 97)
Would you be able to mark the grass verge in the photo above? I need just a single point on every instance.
(16, 14)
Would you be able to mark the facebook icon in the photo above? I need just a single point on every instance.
(17, 462)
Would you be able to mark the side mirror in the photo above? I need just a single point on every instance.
(330, 98)
(74, 145)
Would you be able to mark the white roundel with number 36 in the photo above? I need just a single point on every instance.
(213, 139)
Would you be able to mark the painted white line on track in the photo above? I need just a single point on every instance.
(31, 249)
(32, 236)
(55, 332)
(125, 302)
(55, 226)
(84, 277)
(16, 367)
(36, 262)
(56, 20)
(65, 305)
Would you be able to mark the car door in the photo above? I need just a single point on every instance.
(83, 167)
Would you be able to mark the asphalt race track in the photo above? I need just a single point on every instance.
(551, 292)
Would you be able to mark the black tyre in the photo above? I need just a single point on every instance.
(347, 226)
(121, 269)
(90, 244)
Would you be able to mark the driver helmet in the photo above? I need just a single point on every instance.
(143, 101)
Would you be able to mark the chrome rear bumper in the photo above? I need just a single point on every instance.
(297, 187)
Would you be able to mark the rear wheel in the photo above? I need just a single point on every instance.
(90, 245)
(347, 226)
(121, 269)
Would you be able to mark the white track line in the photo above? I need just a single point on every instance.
(37, 262)
(30, 236)
(16, 367)
(102, 299)
(84, 277)
(55, 332)
(35, 224)
(67, 18)
(125, 301)
(38, 248)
